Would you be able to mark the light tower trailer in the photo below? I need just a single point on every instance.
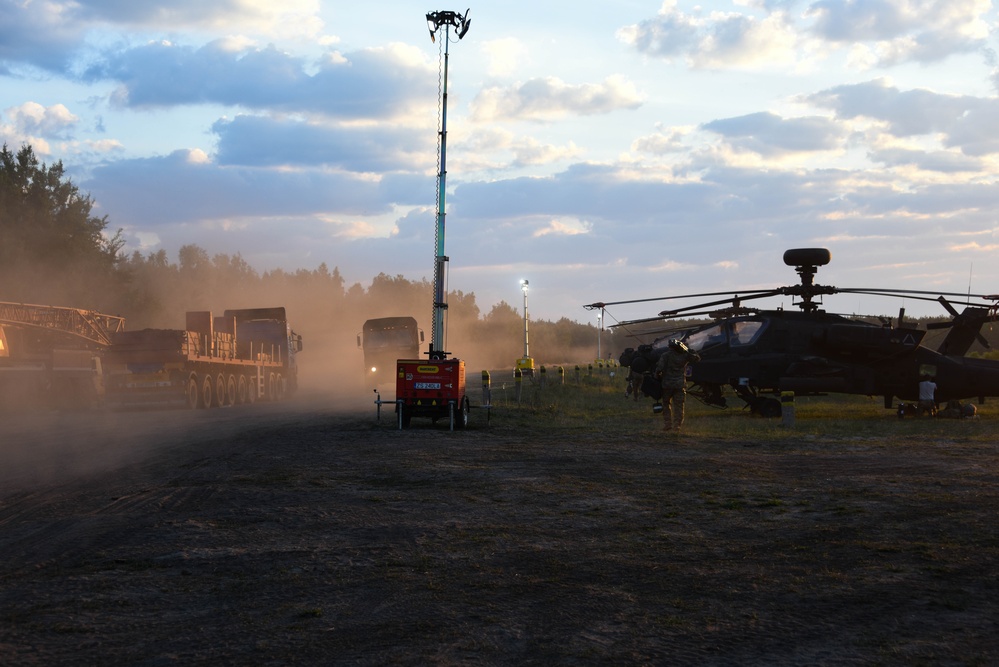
(241, 357)
(435, 388)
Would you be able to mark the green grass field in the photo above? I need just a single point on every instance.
(598, 402)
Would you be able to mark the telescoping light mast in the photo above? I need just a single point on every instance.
(435, 387)
(461, 23)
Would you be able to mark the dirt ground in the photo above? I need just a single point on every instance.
(309, 533)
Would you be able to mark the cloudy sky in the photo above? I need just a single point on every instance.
(602, 150)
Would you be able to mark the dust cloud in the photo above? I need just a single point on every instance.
(41, 444)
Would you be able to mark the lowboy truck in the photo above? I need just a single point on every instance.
(241, 357)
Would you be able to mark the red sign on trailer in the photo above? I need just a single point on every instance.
(432, 388)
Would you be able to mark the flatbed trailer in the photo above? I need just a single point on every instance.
(240, 358)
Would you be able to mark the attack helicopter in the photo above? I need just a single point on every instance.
(759, 353)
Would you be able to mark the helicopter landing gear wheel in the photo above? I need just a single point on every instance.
(768, 408)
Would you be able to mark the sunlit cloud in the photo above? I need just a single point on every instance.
(564, 227)
(551, 99)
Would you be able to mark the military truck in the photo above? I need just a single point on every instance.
(239, 358)
(386, 339)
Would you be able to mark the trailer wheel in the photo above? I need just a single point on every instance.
(461, 419)
(241, 390)
(279, 388)
(270, 387)
(251, 390)
(407, 416)
(219, 391)
(192, 393)
(230, 391)
(206, 392)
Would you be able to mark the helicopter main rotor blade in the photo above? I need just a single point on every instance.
(630, 322)
(604, 304)
(922, 295)
(735, 299)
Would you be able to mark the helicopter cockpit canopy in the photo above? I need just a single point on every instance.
(737, 333)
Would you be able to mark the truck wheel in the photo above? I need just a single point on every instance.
(270, 387)
(230, 391)
(407, 416)
(461, 419)
(279, 388)
(192, 393)
(251, 390)
(219, 391)
(206, 392)
(241, 390)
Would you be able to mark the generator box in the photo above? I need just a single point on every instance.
(430, 383)
(431, 388)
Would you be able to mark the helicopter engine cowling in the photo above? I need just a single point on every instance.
(880, 341)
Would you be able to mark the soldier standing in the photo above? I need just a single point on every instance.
(672, 371)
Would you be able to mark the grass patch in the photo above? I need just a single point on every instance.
(598, 405)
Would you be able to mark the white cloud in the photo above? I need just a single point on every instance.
(905, 30)
(382, 82)
(722, 40)
(961, 121)
(278, 19)
(50, 33)
(32, 118)
(769, 134)
(564, 227)
(551, 99)
(666, 141)
(769, 36)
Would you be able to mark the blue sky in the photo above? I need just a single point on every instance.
(604, 151)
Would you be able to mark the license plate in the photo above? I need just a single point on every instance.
(426, 385)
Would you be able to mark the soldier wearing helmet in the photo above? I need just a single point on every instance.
(671, 369)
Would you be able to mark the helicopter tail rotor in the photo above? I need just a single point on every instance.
(965, 328)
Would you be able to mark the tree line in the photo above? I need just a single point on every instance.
(55, 251)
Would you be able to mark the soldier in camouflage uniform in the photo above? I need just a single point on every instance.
(672, 371)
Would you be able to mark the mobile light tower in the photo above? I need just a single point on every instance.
(525, 364)
(435, 388)
(600, 325)
(600, 330)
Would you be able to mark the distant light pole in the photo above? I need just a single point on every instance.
(600, 328)
(524, 286)
(525, 364)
